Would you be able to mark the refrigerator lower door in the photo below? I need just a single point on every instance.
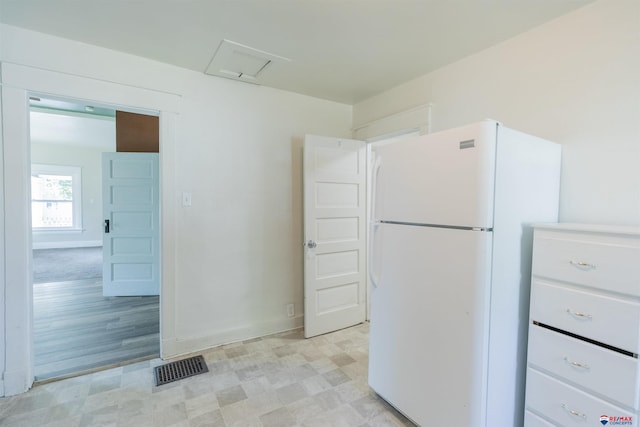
(429, 323)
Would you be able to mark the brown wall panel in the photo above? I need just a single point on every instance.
(137, 133)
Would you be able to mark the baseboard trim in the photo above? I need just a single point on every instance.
(16, 382)
(66, 245)
(172, 347)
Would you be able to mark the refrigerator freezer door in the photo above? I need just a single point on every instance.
(445, 178)
(429, 323)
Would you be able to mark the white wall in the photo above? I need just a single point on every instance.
(90, 162)
(232, 260)
(573, 80)
(239, 247)
(3, 258)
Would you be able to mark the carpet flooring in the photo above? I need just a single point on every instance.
(69, 264)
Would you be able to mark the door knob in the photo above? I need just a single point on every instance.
(106, 225)
(311, 244)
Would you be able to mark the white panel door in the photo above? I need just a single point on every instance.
(334, 229)
(131, 224)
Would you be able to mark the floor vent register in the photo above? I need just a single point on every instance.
(180, 369)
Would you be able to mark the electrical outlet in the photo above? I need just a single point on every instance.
(290, 310)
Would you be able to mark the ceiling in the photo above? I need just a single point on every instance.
(341, 50)
(61, 122)
(72, 129)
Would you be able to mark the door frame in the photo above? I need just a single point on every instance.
(18, 83)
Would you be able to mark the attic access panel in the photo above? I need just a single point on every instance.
(239, 62)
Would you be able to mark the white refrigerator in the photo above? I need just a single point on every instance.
(450, 268)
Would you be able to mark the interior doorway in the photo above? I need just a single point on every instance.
(76, 329)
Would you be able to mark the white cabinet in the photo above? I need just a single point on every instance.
(584, 327)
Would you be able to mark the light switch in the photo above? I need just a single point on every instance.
(186, 199)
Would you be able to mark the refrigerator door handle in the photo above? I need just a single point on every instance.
(373, 277)
(377, 162)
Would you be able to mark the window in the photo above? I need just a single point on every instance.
(55, 197)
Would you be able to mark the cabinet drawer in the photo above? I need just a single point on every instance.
(598, 369)
(532, 420)
(605, 319)
(565, 404)
(614, 266)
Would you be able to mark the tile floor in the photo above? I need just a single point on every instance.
(280, 380)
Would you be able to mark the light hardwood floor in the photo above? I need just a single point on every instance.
(76, 329)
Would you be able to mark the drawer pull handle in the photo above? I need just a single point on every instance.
(579, 314)
(574, 413)
(583, 265)
(576, 364)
